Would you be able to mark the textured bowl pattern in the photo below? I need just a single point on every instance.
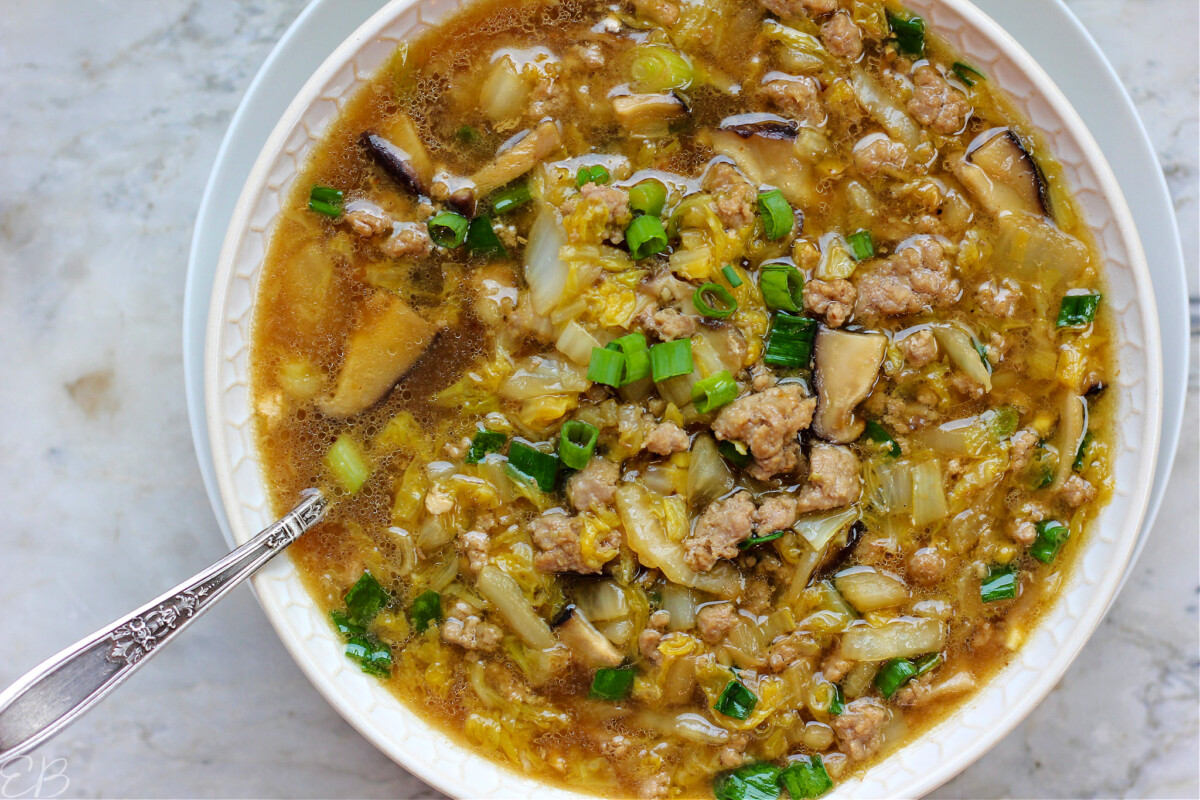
(922, 765)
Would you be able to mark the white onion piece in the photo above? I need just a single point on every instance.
(601, 600)
(502, 591)
(819, 529)
(897, 638)
(960, 346)
(884, 109)
(545, 273)
(681, 603)
(867, 589)
(576, 343)
(708, 475)
(929, 495)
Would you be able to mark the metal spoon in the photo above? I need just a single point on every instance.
(58, 691)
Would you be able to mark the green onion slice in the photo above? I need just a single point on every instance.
(894, 674)
(1004, 423)
(790, 341)
(345, 626)
(612, 683)
(1051, 536)
(482, 238)
(736, 701)
(967, 74)
(755, 541)
(926, 663)
(484, 442)
(725, 303)
(1078, 309)
(731, 452)
(511, 197)
(576, 442)
(374, 657)
(606, 366)
(837, 703)
(637, 357)
(862, 246)
(718, 389)
(782, 287)
(595, 173)
(648, 197)
(448, 229)
(668, 359)
(657, 68)
(645, 237)
(878, 435)
(1081, 453)
(326, 200)
(776, 214)
(759, 781)
(426, 609)
(909, 33)
(806, 778)
(731, 275)
(540, 468)
(365, 598)
(1000, 584)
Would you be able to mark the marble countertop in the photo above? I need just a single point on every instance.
(111, 114)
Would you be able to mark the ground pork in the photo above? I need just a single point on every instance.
(666, 439)
(936, 103)
(666, 288)
(919, 348)
(761, 377)
(736, 198)
(756, 598)
(831, 300)
(999, 298)
(794, 8)
(613, 200)
(776, 513)
(768, 422)
(788, 649)
(914, 279)
(718, 531)
(557, 537)
(1076, 491)
(859, 727)
(842, 37)
(926, 566)
(663, 12)
(798, 99)
(902, 416)
(1020, 449)
(666, 323)
(368, 222)
(734, 753)
(835, 666)
(594, 485)
(877, 153)
(652, 635)
(465, 628)
(833, 479)
(715, 621)
(474, 546)
(923, 690)
(439, 500)
(408, 240)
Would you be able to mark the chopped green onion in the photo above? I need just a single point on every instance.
(782, 287)
(776, 214)
(348, 464)
(482, 238)
(448, 229)
(668, 359)
(736, 701)
(806, 778)
(927, 662)
(326, 200)
(511, 197)
(730, 451)
(790, 341)
(645, 237)
(877, 434)
(374, 657)
(596, 173)
(755, 541)
(1081, 453)
(837, 703)
(967, 74)
(612, 683)
(657, 68)
(1051, 536)
(1004, 423)
(540, 468)
(1000, 584)
(468, 134)
(861, 245)
(648, 197)
(576, 442)
(759, 781)
(909, 33)
(365, 598)
(894, 674)
(1078, 310)
(1041, 467)
(637, 357)
(709, 394)
(725, 305)
(606, 366)
(983, 356)
(731, 275)
(345, 626)
(426, 609)
(484, 442)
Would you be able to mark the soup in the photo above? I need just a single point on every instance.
(711, 395)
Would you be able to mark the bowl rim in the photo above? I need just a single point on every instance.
(1080, 631)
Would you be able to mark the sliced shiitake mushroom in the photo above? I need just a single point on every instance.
(846, 367)
(1002, 174)
(648, 115)
(590, 646)
(401, 155)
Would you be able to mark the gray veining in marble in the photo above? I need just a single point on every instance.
(110, 117)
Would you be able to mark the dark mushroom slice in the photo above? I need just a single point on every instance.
(389, 339)
(510, 164)
(590, 647)
(1002, 174)
(764, 148)
(846, 366)
(401, 155)
(649, 115)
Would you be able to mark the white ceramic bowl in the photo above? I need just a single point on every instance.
(923, 764)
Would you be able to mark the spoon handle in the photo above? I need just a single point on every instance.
(58, 691)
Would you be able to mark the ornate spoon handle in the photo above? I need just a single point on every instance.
(58, 691)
